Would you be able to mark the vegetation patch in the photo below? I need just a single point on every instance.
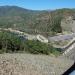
(10, 43)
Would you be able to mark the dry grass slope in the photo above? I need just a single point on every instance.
(27, 64)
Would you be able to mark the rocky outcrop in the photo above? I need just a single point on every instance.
(68, 24)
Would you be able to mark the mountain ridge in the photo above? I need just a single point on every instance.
(32, 21)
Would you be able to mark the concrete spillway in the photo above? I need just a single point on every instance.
(69, 50)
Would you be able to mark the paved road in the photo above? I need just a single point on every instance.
(38, 37)
(62, 37)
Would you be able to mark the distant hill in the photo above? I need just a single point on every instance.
(33, 21)
(17, 17)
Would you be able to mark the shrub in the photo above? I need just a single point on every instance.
(12, 43)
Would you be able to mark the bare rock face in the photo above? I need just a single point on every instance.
(68, 24)
(27, 64)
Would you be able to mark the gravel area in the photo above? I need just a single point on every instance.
(28, 64)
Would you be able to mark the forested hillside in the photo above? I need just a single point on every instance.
(32, 21)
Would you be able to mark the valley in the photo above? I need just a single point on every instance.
(34, 42)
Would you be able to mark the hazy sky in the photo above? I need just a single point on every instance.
(40, 4)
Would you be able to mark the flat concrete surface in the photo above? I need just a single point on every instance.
(28, 64)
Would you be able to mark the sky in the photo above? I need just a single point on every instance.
(40, 4)
(73, 73)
